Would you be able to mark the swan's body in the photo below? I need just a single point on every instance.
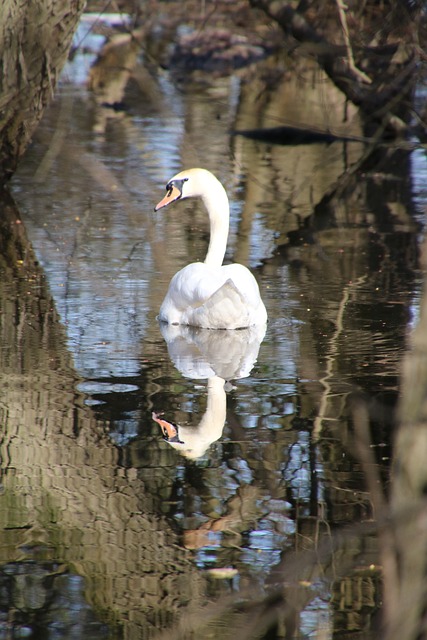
(209, 294)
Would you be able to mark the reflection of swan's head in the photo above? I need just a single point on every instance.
(193, 445)
(193, 441)
(189, 183)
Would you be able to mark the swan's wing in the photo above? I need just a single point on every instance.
(194, 284)
(224, 309)
(244, 281)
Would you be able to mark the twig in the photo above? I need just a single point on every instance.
(352, 65)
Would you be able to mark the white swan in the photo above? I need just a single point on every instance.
(208, 294)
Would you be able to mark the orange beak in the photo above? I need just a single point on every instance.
(172, 194)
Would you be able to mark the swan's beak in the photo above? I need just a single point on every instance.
(172, 194)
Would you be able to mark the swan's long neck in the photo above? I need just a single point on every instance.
(216, 409)
(216, 202)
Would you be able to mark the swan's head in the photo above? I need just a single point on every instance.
(193, 446)
(188, 184)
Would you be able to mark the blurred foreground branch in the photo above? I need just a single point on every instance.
(408, 617)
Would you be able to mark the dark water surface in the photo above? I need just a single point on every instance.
(108, 530)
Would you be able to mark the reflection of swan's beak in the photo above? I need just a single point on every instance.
(172, 194)
(169, 430)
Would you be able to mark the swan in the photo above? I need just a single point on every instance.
(209, 294)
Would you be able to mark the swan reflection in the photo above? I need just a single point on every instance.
(219, 356)
(203, 353)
